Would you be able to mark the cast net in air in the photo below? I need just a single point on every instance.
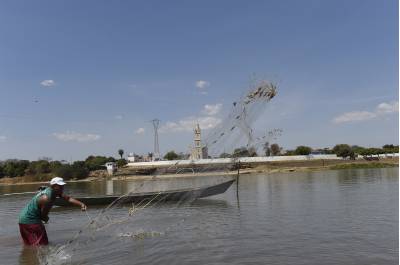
(155, 215)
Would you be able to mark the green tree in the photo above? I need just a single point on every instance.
(79, 170)
(252, 152)
(97, 162)
(327, 151)
(121, 152)
(343, 150)
(54, 165)
(241, 152)
(390, 148)
(2, 174)
(302, 150)
(121, 162)
(275, 149)
(64, 171)
(373, 151)
(183, 156)
(267, 149)
(357, 149)
(38, 167)
(224, 155)
(15, 168)
(171, 155)
(290, 153)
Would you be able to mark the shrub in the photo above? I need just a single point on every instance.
(97, 162)
(275, 149)
(372, 151)
(302, 150)
(2, 174)
(252, 152)
(79, 170)
(171, 155)
(15, 168)
(53, 165)
(390, 148)
(38, 167)
(290, 153)
(224, 155)
(241, 152)
(64, 171)
(344, 150)
(121, 162)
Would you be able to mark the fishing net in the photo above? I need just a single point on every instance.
(238, 128)
(127, 220)
(236, 136)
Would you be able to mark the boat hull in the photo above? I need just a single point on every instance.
(178, 195)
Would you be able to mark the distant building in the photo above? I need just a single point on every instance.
(149, 158)
(111, 167)
(133, 158)
(198, 151)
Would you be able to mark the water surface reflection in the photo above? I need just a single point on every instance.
(327, 217)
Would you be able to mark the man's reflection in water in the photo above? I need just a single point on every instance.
(29, 255)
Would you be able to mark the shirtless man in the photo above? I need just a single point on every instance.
(37, 211)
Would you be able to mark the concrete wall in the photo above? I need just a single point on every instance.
(217, 161)
(385, 155)
(221, 161)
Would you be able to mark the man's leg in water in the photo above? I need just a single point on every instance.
(33, 234)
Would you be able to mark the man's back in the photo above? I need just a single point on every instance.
(30, 214)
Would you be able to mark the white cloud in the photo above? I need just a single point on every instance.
(202, 84)
(354, 116)
(187, 124)
(140, 131)
(212, 110)
(207, 120)
(386, 108)
(118, 117)
(381, 110)
(3, 138)
(76, 137)
(48, 82)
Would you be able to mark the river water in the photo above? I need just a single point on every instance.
(325, 217)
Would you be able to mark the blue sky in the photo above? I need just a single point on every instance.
(86, 77)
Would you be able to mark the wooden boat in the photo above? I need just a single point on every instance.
(173, 195)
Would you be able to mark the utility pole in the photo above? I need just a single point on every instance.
(156, 123)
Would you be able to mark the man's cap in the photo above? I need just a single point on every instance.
(57, 181)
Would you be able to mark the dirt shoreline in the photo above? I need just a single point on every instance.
(266, 167)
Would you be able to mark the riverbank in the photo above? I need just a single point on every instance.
(270, 168)
(266, 167)
(316, 165)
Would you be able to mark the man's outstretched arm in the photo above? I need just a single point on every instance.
(75, 202)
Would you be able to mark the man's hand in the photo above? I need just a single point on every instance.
(76, 202)
(45, 219)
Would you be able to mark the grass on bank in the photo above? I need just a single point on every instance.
(363, 165)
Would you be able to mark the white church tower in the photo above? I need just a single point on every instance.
(198, 151)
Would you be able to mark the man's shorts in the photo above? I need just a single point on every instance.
(33, 234)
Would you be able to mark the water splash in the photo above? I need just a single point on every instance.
(54, 255)
(141, 234)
